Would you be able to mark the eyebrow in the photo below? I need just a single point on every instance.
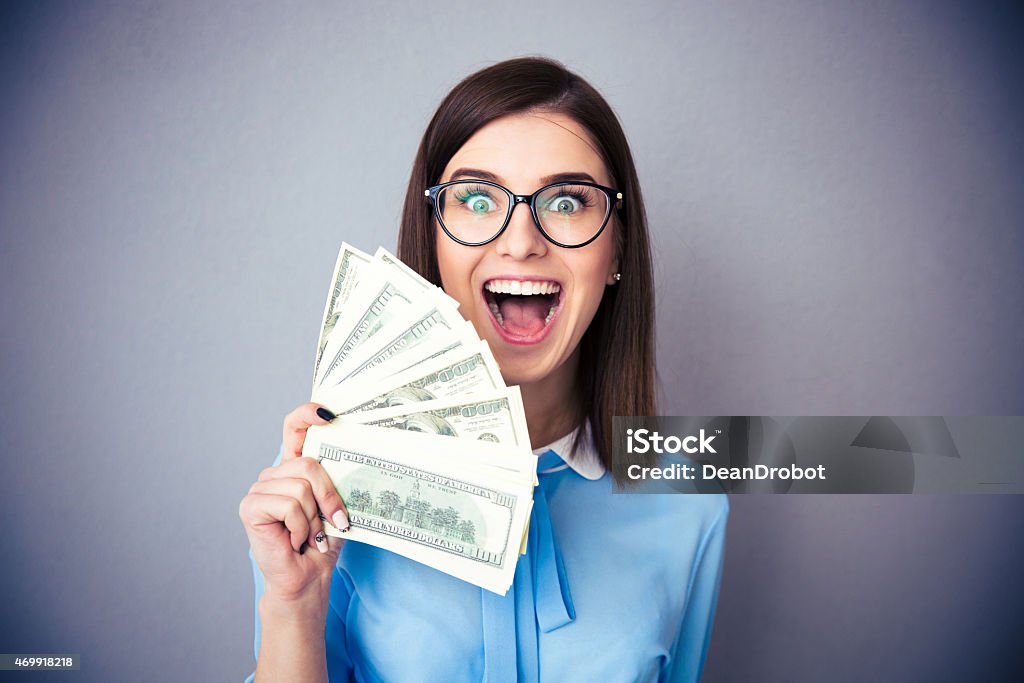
(546, 180)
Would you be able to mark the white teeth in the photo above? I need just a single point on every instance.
(522, 287)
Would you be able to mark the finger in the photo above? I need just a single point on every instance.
(296, 488)
(324, 492)
(319, 537)
(297, 422)
(301, 490)
(264, 509)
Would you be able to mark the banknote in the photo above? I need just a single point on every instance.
(435, 322)
(467, 370)
(377, 291)
(431, 502)
(410, 357)
(384, 256)
(346, 276)
(430, 451)
(376, 302)
(496, 417)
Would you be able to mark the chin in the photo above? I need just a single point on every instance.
(520, 372)
(525, 364)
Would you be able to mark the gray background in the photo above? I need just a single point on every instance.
(833, 190)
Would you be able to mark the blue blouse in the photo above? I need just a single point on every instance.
(613, 587)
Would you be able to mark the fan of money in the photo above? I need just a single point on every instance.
(430, 451)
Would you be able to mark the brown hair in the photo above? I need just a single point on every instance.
(616, 367)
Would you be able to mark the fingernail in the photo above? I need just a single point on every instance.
(321, 542)
(325, 414)
(340, 520)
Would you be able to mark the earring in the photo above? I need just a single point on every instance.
(617, 276)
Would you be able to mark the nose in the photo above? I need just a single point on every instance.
(521, 238)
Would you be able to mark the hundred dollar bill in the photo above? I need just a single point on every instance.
(437, 323)
(376, 302)
(497, 417)
(408, 358)
(436, 507)
(464, 371)
(382, 255)
(346, 276)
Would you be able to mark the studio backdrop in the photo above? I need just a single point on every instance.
(833, 190)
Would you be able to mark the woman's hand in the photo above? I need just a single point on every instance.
(281, 518)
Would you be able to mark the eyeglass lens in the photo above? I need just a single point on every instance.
(570, 214)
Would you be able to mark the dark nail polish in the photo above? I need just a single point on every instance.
(325, 414)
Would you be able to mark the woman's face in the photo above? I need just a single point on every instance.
(531, 336)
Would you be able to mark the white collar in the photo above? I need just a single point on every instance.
(585, 462)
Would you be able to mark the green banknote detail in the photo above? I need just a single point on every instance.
(426, 508)
(464, 376)
(376, 315)
(419, 331)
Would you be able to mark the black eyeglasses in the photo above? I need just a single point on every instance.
(568, 214)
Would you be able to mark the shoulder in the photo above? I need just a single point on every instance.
(710, 507)
(702, 513)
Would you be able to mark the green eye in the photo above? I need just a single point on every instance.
(478, 203)
(564, 205)
(568, 201)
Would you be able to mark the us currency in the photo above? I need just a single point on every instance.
(346, 276)
(395, 339)
(408, 358)
(384, 256)
(464, 371)
(371, 291)
(496, 417)
(437, 322)
(427, 498)
(376, 302)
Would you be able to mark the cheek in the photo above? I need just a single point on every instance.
(455, 263)
(589, 290)
(592, 267)
(447, 260)
(591, 298)
(443, 259)
(591, 275)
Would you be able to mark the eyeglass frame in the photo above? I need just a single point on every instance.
(614, 200)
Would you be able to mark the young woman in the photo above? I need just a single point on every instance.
(613, 587)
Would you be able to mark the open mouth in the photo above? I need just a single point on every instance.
(523, 308)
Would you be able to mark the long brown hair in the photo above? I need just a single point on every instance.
(616, 368)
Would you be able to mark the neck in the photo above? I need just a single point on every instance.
(550, 403)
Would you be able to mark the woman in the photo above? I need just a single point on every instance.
(613, 587)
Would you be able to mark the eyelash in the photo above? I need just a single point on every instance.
(582, 196)
(472, 192)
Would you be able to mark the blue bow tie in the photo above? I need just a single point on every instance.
(539, 599)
